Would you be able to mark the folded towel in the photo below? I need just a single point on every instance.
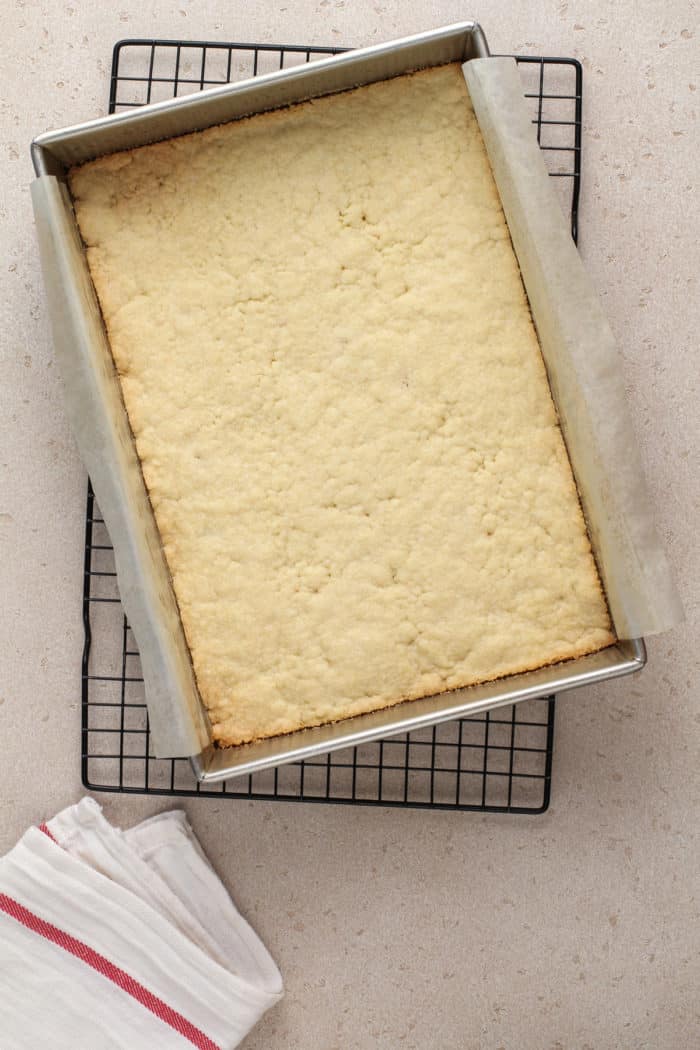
(124, 940)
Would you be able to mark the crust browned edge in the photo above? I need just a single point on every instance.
(224, 742)
(92, 271)
(572, 474)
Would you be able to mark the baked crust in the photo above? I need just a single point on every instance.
(340, 406)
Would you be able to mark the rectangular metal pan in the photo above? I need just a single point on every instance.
(56, 151)
(53, 153)
(622, 658)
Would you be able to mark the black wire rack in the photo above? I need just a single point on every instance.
(500, 761)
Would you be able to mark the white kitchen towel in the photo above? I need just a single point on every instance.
(124, 940)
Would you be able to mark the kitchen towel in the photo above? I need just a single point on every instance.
(124, 940)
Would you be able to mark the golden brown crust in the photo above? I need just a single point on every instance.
(340, 407)
(224, 741)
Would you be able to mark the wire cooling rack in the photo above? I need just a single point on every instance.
(500, 761)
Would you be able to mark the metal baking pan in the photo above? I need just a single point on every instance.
(221, 764)
(53, 153)
(56, 151)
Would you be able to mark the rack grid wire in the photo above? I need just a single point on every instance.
(500, 761)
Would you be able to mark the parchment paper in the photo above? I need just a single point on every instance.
(581, 360)
(579, 353)
(99, 421)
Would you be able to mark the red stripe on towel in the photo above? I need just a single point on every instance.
(45, 828)
(113, 973)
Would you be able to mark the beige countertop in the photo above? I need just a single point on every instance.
(575, 930)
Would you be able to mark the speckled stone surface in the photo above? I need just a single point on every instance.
(576, 930)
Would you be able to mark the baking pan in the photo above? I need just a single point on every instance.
(214, 764)
(56, 151)
(178, 721)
